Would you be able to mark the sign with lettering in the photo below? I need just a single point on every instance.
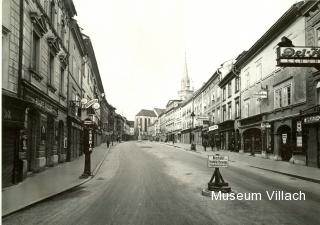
(90, 140)
(312, 119)
(261, 94)
(213, 127)
(42, 104)
(90, 103)
(217, 161)
(284, 138)
(299, 141)
(298, 56)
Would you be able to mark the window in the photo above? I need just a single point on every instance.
(213, 98)
(229, 111)
(282, 96)
(318, 92)
(224, 93)
(224, 113)
(79, 75)
(237, 108)
(258, 71)
(237, 84)
(229, 89)
(51, 69)
(258, 107)
(318, 36)
(5, 61)
(35, 51)
(145, 124)
(246, 108)
(61, 81)
(218, 115)
(52, 12)
(247, 79)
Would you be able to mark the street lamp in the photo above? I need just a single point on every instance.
(193, 145)
(89, 127)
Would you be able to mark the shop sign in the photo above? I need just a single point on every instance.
(284, 138)
(213, 127)
(261, 94)
(299, 141)
(312, 119)
(217, 161)
(90, 140)
(42, 104)
(298, 56)
(299, 127)
(90, 103)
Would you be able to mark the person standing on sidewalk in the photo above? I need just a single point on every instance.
(108, 141)
(211, 142)
(204, 143)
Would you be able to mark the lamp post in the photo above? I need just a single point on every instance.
(88, 134)
(193, 145)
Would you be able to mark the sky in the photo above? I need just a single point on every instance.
(141, 46)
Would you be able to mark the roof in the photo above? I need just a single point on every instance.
(159, 111)
(130, 123)
(146, 112)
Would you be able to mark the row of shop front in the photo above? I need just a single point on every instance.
(295, 139)
(37, 132)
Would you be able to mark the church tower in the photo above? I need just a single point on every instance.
(185, 91)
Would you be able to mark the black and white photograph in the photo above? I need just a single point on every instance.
(160, 112)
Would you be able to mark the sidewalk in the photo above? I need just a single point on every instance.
(50, 182)
(299, 171)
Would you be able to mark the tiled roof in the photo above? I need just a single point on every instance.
(159, 111)
(146, 112)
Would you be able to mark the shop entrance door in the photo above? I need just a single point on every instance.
(285, 150)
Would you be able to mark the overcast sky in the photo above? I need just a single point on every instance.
(140, 45)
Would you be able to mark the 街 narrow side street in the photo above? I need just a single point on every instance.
(156, 183)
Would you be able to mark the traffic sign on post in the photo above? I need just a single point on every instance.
(217, 161)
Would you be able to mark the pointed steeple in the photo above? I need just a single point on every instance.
(185, 90)
(185, 81)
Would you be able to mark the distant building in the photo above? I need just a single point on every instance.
(142, 120)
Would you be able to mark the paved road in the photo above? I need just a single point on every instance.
(150, 183)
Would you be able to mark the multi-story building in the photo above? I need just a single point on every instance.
(272, 96)
(36, 36)
(230, 106)
(43, 63)
(212, 110)
(187, 121)
(310, 117)
(77, 53)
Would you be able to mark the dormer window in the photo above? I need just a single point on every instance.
(52, 12)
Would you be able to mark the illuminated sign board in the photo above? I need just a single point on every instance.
(298, 56)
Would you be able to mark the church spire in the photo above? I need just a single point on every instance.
(185, 81)
(185, 90)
